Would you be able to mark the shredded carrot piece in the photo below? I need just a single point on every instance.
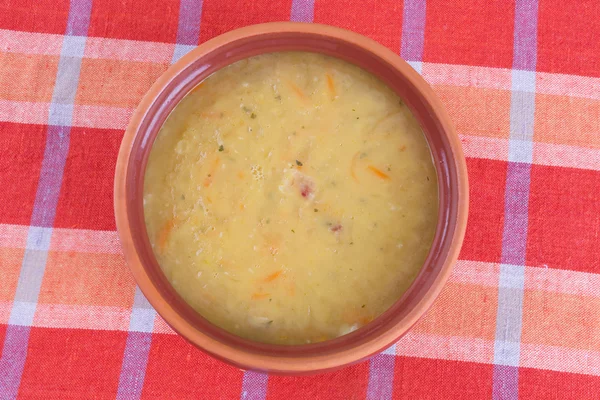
(365, 320)
(378, 173)
(353, 165)
(241, 175)
(164, 233)
(331, 85)
(297, 90)
(402, 148)
(242, 206)
(273, 276)
(260, 296)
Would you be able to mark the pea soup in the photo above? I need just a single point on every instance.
(291, 198)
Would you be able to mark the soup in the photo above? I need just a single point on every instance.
(291, 198)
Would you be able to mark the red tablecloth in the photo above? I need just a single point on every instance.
(520, 316)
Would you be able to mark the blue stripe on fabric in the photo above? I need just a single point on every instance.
(137, 348)
(133, 369)
(302, 11)
(381, 377)
(141, 320)
(188, 28)
(516, 208)
(413, 33)
(14, 351)
(254, 386)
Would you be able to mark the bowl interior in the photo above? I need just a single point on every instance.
(195, 67)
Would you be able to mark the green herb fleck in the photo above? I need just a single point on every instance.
(357, 117)
(316, 210)
(246, 109)
(293, 231)
(351, 243)
(298, 163)
(353, 109)
(427, 178)
(389, 169)
(253, 116)
(278, 97)
(302, 126)
(182, 197)
(363, 306)
(221, 148)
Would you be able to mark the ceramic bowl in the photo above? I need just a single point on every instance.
(228, 48)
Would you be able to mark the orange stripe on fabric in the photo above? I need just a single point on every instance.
(462, 310)
(481, 112)
(27, 77)
(87, 279)
(115, 82)
(557, 319)
(567, 120)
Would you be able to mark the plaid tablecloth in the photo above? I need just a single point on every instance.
(520, 316)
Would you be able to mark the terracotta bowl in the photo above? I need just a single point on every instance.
(228, 48)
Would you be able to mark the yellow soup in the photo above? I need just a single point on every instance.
(291, 198)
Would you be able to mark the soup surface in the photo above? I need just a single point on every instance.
(291, 198)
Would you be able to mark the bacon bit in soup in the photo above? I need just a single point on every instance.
(305, 190)
(260, 296)
(336, 228)
(304, 184)
(273, 276)
(378, 173)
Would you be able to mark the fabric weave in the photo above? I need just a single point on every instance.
(520, 315)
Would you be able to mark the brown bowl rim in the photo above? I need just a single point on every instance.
(311, 358)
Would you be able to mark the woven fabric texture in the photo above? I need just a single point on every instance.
(520, 315)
